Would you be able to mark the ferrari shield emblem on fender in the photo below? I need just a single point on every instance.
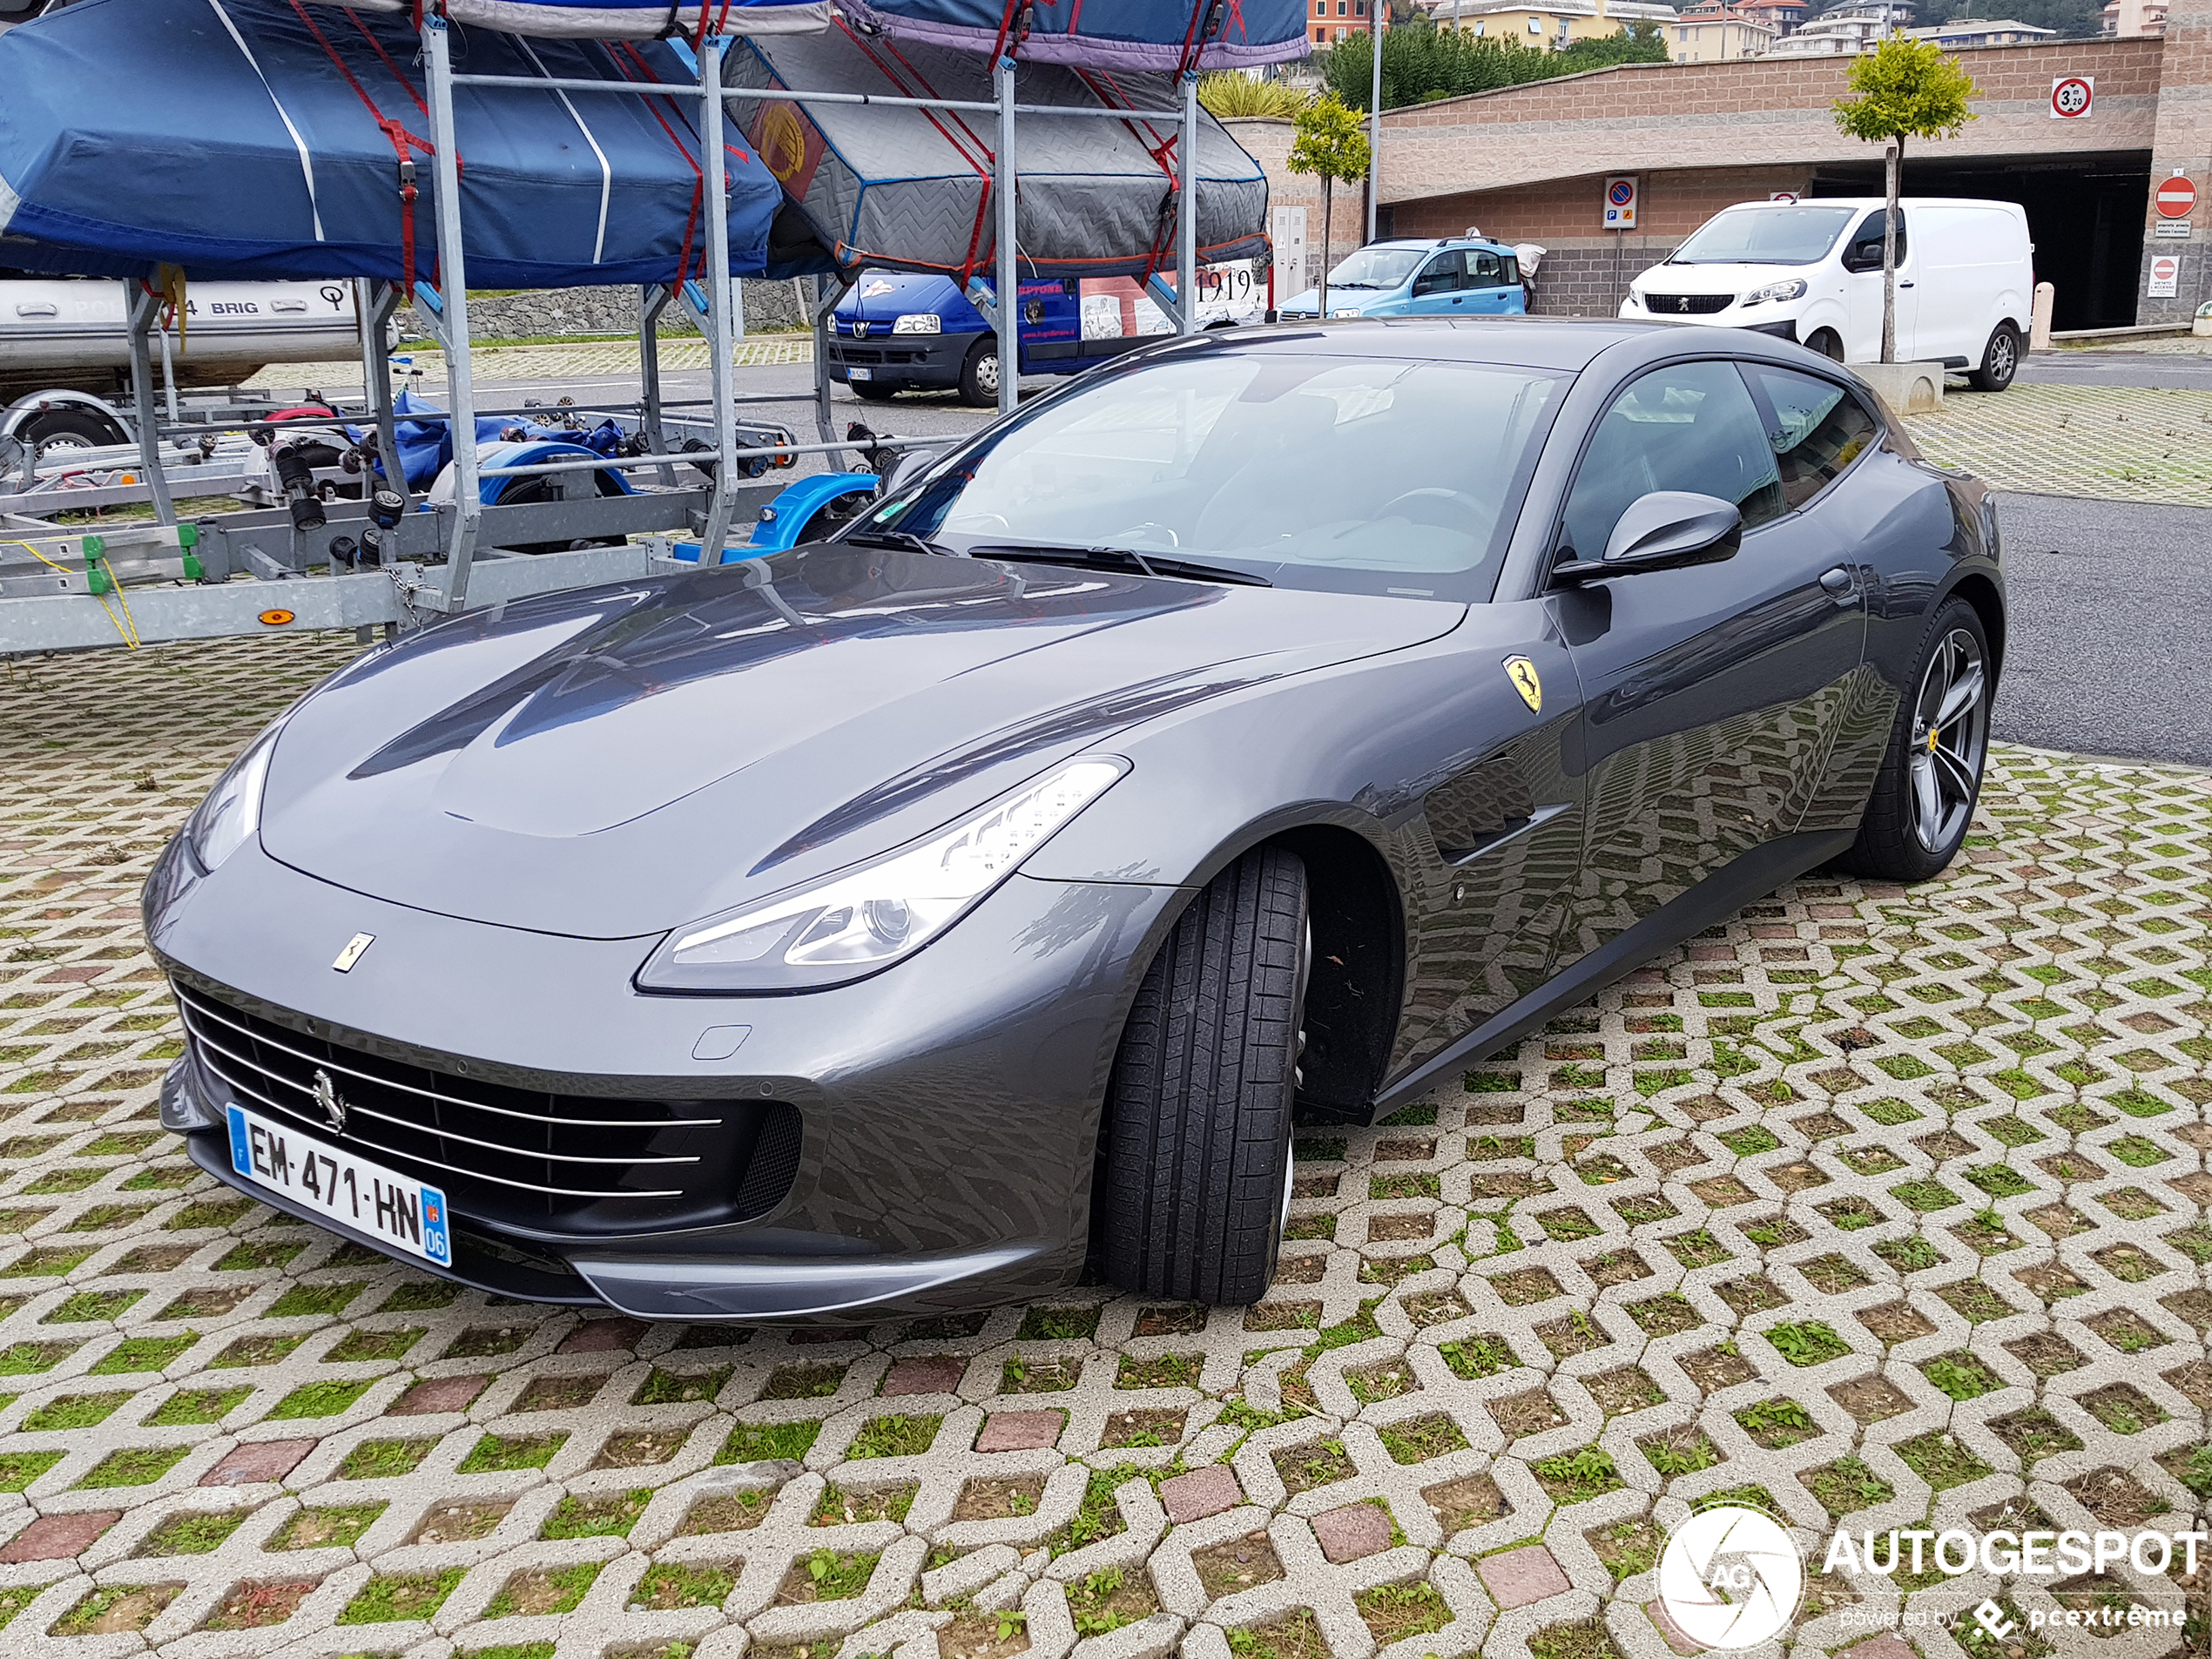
(1522, 673)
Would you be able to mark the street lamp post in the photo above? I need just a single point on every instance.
(1374, 112)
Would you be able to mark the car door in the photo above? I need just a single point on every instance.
(1437, 288)
(1491, 292)
(1863, 291)
(1710, 694)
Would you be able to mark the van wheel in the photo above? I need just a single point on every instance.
(979, 375)
(2000, 360)
(1825, 342)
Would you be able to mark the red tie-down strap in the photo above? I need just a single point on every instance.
(1108, 93)
(403, 142)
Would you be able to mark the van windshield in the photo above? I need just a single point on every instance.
(1786, 233)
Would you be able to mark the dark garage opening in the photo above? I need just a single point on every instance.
(2085, 214)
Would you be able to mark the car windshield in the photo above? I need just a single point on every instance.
(1358, 476)
(1776, 235)
(1376, 267)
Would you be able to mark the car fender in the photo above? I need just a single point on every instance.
(33, 404)
(784, 520)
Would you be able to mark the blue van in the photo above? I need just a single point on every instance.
(1454, 277)
(896, 332)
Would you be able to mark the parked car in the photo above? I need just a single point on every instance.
(1279, 719)
(898, 332)
(1457, 277)
(1811, 272)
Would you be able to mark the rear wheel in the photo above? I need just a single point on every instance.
(978, 375)
(2000, 360)
(1923, 797)
(1196, 1179)
(59, 429)
(1824, 342)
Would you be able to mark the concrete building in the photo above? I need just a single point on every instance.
(1714, 32)
(1846, 31)
(1330, 21)
(1963, 34)
(2133, 19)
(1783, 15)
(1550, 23)
(1530, 164)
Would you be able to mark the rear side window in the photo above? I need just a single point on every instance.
(1484, 270)
(1690, 426)
(1814, 428)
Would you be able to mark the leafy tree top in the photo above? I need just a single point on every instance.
(1905, 89)
(1329, 141)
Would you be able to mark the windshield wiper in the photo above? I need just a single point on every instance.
(1122, 558)
(906, 539)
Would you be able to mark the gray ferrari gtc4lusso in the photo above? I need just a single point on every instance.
(1271, 721)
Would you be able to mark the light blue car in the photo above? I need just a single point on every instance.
(1459, 276)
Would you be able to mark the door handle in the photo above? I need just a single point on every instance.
(1839, 581)
(1904, 285)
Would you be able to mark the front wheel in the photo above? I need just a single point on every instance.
(1196, 1183)
(1827, 343)
(1923, 797)
(978, 375)
(2000, 360)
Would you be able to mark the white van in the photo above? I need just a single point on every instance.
(1811, 272)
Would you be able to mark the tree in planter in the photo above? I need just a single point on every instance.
(1329, 142)
(1903, 88)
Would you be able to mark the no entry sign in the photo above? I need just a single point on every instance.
(2071, 97)
(2176, 198)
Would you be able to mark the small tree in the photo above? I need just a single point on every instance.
(1329, 142)
(1903, 88)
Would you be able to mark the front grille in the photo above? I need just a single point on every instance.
(1686, 305)
(865, 355)
(583, 1164)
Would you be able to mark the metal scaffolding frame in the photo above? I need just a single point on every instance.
(398, 593)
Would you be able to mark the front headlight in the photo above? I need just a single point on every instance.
(1347, 311)
(1635, 299)
(918, 322)
(855, 924)
(231, 813)
(1794, 288)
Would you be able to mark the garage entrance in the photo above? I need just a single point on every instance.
(2085, 213)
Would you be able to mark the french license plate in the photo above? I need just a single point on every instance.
(860, 373)
(394, 1209)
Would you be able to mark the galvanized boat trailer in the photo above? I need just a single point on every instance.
(695, 471)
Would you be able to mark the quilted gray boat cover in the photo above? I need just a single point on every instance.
(910, 190)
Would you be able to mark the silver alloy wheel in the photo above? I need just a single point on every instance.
(1950, 737)
(2004, 356)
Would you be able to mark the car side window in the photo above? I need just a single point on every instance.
(1865, 252)
(1484, 271)
(1440, 276)
(1814, 428)
(1690, 426)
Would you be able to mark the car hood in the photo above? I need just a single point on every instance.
(886, 296)
(1715, 278)
(616, 761)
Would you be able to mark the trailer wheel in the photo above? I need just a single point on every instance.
(70, 429)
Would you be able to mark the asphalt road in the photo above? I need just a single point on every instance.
(2111, 647)
(2117, 368)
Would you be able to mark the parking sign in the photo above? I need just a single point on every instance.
(1620, 204)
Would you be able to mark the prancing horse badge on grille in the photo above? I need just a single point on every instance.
(332, 1103)
(351, 953)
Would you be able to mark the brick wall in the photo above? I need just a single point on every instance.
(2183, 144)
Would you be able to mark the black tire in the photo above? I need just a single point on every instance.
(978, 375)
(1895, 842)
(1197, 1171)
(1824, 342)
(2000, 360)
(872, 391)
(70, 429)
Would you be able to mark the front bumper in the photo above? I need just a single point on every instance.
(903, 360)
(946, 1109)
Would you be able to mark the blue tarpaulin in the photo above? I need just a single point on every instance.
(261, 139)
(1104, 34)
(627, 19)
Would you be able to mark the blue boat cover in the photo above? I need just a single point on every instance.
(262, 139)
(624, 19)
(1178, 35)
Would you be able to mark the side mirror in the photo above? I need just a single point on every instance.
(908, 467)
(1665, 530)
(1864, 256)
